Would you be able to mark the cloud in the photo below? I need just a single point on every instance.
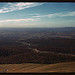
(61, 14)
(68, 14)
(33, 14)
(8, 7)
(29, 22)
(19, 20)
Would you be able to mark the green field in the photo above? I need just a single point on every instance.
(37, 68)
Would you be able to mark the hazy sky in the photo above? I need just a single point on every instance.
(33, 14)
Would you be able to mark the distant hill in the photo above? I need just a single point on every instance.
(38, 68)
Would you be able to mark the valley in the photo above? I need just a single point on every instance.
(37, 49)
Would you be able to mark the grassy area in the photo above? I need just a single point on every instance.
(38, 68)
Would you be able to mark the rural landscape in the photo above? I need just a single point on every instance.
(31, 50)
(37, 37)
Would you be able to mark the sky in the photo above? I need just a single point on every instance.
(37, 14)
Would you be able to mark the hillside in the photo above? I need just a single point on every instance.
(37, 68)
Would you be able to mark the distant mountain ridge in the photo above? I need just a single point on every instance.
(39, 29)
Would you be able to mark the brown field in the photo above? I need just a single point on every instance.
(37, 68)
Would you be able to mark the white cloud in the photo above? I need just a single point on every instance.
(68, 14)
(33, 14)
(29, 22)
(61, 14)
(19, 20)
(13, 25)
(18, 6)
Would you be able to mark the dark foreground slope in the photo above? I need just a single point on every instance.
(33, 57)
